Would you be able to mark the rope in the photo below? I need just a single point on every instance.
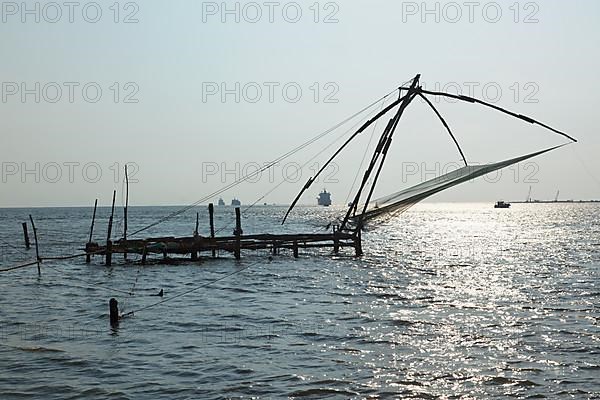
(363, 158)
(585, 167)
(136, 280)
(131, 313)
(90, 284)
(68, 257)
(259, 171)
(245, 211)
(19, 266)
(13, 246)
(42, 259)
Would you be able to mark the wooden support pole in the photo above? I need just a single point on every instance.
(238, 233)
(336, 240)
(125, 212)
(37, 249)
(108, 236)
(144, 255)
(194, 252)
(26, 235)
(274, 248)
(295, 249)
(88, 257)
(197, 224)
(113, 306)
(358, 242)
(211, 217)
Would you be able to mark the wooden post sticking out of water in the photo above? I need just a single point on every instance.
(37, 250)
(113, 306)
(358, 242)
(125, 211)
(88, 257)
(144, 254)
(194, 252)
(26, 235)
(211, 217)
(108, 241)
(238, 232)
(295, 249)
(336, 241)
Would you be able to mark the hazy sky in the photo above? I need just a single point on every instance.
(195, 93)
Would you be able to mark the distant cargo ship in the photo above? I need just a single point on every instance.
(324, 198)
(236, 202)
(221, 202)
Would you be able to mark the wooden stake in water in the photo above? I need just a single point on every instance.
(211, 218)
(108, 236)
(238, 233)
(113, 306)
(88, 257)
(194, 252)
(26, 235)
(37, 250)
(358, 242)
(125, 211)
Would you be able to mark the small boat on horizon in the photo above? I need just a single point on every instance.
(501, 204)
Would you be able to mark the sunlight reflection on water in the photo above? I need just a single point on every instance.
(449, 300)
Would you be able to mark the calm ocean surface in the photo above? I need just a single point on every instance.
(450, 300)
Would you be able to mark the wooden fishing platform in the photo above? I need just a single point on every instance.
(197, 245)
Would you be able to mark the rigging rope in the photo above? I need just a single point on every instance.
(91, 285)
(261, 170)
(131, 313)
(229, 225)
(364, 157)
(19, 266)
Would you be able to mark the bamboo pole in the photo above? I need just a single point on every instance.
(238, 233)
(336, 240)
(37, 249)
(125, 211)
(108, 236)
(26, 235)
(211, 217)
(358, 243)
(88, 257)
(194, 250)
